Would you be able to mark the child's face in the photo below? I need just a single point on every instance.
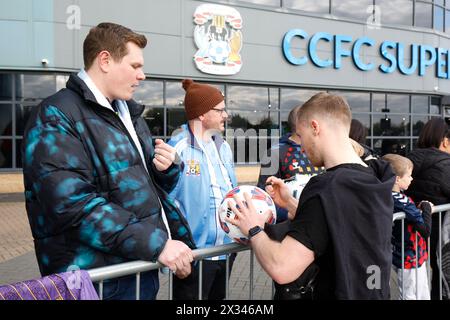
(404, 181)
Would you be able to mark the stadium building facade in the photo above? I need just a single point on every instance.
(389, 58)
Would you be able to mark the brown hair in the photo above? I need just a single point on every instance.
(432, 134)
(398, 163)
(358, 131)
(292, 118)
(112, 38)
(327, 105)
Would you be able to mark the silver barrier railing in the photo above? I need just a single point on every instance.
(137, 267)
(401, 216)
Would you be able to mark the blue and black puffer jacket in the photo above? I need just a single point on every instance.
(90, 201)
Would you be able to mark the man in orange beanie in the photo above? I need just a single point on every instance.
(208, 175)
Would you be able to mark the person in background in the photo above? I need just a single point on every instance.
(343, 221)
(431, 182)
(95, 186)
(358, 133)
(416, 219)
(286, 160)
(207, 177)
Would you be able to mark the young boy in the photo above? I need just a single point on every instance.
(416, 220)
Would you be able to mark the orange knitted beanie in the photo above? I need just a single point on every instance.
(199, 98)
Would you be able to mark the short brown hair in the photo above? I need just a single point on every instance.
(112, 38)
(326, 105)
(399, 164)
(292, 119)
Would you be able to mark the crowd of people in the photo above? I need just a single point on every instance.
(99, 191)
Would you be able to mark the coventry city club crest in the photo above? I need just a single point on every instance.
(218, 37)
(193, 168)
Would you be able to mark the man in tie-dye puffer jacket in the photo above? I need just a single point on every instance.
(95, 186)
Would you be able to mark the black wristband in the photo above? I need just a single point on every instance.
(254, 231)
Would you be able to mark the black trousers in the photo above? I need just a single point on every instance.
(213, 288)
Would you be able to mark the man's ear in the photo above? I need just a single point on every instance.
(315, 127)
(104, 60)
(201, 117)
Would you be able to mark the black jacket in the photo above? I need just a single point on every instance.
(358, 206)
(431, 176)
(89, 198)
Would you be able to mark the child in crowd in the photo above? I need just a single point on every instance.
(417, 219)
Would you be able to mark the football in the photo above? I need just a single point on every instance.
(219, 51)
(297, 183)
(260, 199)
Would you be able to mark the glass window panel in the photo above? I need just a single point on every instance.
(378, 102)
(447, 20)
(241, 149)
(418, 123)
(150, 93)
(31, 87)
(284, 114)
(398, 103)
(251, 98)
(274, 98)
(358, 101)
(316, 6)
(353, 9)
(439, 2)
(61, 81)
(174, 94)
(6, 87)
(419, 104)
(242, 119)
(18, 153)
(390, 125)
(365, 120)
(6, 153)
(290, 98)
(435, 107)
(154, 117)
(438, 18)
(273, 3)
(397, 146)
(6, 120)
(22, 115)
(175, 118)
(423, 15)
(397, 12)
(248, 149)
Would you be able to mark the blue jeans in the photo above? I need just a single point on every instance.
(124, 288)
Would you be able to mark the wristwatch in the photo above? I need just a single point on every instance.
(254, 231)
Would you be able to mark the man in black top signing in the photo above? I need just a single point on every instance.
(343, 220)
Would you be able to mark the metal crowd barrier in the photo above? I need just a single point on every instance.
(401, 216)
(137, 267)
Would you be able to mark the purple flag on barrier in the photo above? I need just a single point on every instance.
(74, 285)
